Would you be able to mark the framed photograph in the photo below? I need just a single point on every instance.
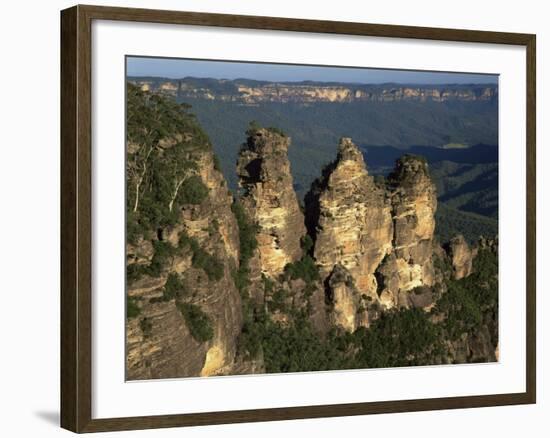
(270, 219)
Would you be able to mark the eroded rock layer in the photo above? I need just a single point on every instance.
(414, 202)
(461, 257)
(170, 332)
(351, 219)
(269, 199)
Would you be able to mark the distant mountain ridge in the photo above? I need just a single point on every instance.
(252, 92)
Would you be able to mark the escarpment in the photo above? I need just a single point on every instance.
(270, 200)
(252, 94)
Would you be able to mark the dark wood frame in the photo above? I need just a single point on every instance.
(76, 321)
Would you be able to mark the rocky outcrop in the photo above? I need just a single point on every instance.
(350, 218)
(380, 233)
(159, 344)
(347, 309)
(269, 199)
(162, 334)
(214, 227)
(414, 202)
(461, 257)
(487, 243)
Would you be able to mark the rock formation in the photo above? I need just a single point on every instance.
(485, 243)
(461, 257)
(350, 218)
(269, 199)
(381, 234)
(347, 308)
(414, 202)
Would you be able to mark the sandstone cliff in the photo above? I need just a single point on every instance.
(382, 234)
(258, 92)
(350, 218)
(269, 199)
(189, 310)
(414, 202)
(348, 309)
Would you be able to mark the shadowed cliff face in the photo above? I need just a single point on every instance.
(270, 200)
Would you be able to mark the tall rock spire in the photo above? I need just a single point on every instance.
(270, 200)
(414, 203)
(350, 218)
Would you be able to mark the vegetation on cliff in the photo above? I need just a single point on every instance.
(162, 136)
(472, 301)
(248, 342)
(198, 322)
(183, 310)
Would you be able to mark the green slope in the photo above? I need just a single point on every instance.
(450, 222)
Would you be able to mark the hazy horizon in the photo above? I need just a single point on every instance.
(173, 68)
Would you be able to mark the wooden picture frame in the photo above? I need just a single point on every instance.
(76, 218)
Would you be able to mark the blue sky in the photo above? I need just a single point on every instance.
(180, 68)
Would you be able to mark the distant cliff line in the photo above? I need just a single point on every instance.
(252, 92)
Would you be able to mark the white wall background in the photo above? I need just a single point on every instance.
(29, 215)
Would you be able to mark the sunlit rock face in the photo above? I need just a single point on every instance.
(414, 202)
(381, 233)
(349, 309)
(270, 200)
(247, 94)
(350, 217)
(159, 341)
